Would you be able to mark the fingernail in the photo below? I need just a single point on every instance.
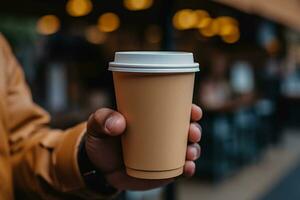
(198, 126)
(109, 124)
(195, 152)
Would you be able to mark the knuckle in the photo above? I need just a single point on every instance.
(100, 112)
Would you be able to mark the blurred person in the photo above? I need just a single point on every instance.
(226, 89)
(83, 162)
(241, 78)
(215, 89)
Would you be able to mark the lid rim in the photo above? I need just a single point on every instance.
(138, 65)
(154, 62)
(154, 52)
(152, 70)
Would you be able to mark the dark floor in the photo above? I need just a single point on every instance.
(288, 188)
(276, 176)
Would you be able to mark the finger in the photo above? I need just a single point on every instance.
(196, 113)
(106, 153)
(122, 181)
(195, 132)
(189, 168)
(106, 122)
(193, 152)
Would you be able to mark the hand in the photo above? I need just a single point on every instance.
(103, 146)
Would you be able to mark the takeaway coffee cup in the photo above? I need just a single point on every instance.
(154, 93)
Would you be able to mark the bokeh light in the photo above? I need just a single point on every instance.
(78, 8)
(94, 36)
(202, 18)
(228, 29)
(108, 22)
(228, 26)
(211, 27)
(48, 24)
(137, 4)
(227, 20)
(184, 19)
(231, 38)
(153, 34)
(205, 23)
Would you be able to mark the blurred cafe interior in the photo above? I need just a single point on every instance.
(248, 84)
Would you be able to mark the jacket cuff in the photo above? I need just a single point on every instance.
(66, 165)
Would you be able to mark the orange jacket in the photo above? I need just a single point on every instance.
(36, 162)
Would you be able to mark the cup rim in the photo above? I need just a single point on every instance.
(154, 62)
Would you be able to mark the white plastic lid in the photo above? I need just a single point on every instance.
(153, 62)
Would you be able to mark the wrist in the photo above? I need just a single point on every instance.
(93, 178)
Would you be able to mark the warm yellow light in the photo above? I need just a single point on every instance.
(228, 29)
(210, 27)
(175, 21)
(202, 17)
(94, 36)
(205, 22)
(231, 38)
(108, 22)
(78, 8)
(215, 26)
(153, 34)
(227, 20)
(137, 4)
(48, 24)
(184, 19)
(228, 26)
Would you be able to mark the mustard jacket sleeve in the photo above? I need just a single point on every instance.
(44, 160)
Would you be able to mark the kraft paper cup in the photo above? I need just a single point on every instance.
(154, 92)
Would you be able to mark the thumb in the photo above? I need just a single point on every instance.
(106, 122)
